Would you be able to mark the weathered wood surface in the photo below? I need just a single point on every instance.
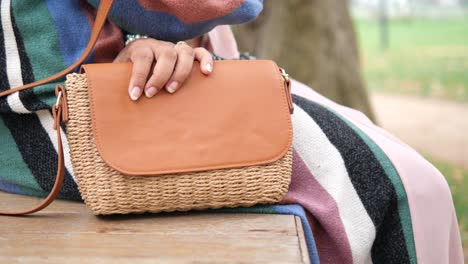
(67, 232)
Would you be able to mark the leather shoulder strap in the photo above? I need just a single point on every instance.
(59, 110)
(101, 17)
(60, 173)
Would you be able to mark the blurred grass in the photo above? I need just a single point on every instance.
(426, 57)
(457, 179)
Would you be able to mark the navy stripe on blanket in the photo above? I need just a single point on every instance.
(38, 152)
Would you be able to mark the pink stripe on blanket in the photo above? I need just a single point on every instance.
(329, 233)
(193, 11)
(435, 228)
(221, 42)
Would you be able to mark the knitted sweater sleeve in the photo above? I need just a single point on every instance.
(175, 20)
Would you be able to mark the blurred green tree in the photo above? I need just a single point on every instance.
(316, 42)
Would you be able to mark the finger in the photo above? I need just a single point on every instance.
(166, 58)
(183, 67)
(142, 62)
(122, 56)
(205, 59)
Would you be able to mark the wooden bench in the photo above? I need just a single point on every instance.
(67, 232)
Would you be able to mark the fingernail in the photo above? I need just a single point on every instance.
(135, 93)
(172, 87)
(209, 67)
(150, 92)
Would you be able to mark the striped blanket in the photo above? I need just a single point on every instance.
(362, 195)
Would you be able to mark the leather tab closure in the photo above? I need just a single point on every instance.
(287, 85)
(60, 109)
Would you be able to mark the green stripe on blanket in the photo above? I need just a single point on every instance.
(10, 155)
(403, 205)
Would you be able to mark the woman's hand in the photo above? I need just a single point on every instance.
(160, 64)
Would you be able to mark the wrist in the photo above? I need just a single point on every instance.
(129, 38)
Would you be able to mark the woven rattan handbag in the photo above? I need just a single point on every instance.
(221, 141)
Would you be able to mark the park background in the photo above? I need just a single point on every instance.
(404, 63)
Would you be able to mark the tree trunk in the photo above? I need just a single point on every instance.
(315, 41)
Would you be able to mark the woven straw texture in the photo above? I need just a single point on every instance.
(107, 191)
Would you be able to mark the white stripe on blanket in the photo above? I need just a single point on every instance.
(13, 63)
(327, 166)
(47, 122)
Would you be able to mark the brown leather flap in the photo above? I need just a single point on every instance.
(236, 117)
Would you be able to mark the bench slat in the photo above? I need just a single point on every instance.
(68, 232)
